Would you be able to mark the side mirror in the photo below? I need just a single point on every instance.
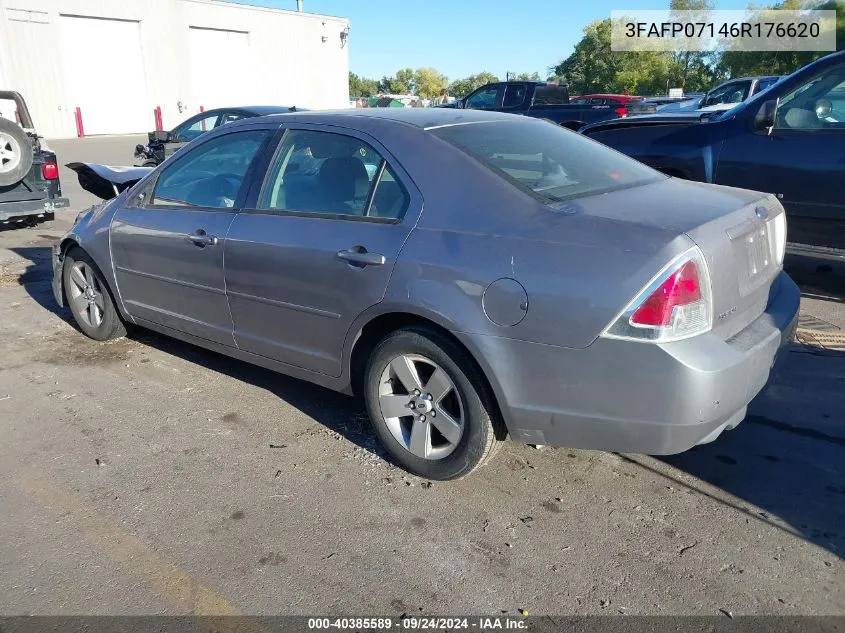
(765, 117)
(459, 103)
(162, 135)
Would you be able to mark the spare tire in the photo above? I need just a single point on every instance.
(15, 153)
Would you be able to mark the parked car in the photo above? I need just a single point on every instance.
(29, 175)
(542, 100)
(623, 105)
(162, 144)
(788, 140)
(724, 96)
(495, 276)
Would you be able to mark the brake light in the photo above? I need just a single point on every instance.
(680, 289)
(677, 304)
(621, 111)
(50, 171)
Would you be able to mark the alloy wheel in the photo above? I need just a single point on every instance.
(421, 406)
(86, 294)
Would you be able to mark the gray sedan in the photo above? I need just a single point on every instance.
(472, 275)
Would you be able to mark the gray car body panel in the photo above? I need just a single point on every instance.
(459, 258)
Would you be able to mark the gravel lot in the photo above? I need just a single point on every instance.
(147, 476)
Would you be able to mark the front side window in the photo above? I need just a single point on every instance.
(816, 104)
(332, 174)
(210, 175)
(545, 160)
(484, 99)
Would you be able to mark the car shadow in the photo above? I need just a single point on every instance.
(823, 280)
(337, 412)
(787, 458)
(784, 465)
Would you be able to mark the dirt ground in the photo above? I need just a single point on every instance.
(147, 476)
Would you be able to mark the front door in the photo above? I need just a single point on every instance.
(802, 159)
(319, 247)
(168, 249)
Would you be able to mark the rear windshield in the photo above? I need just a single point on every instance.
(551, 95)
(546, 160)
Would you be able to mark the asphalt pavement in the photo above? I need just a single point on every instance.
(147, 476)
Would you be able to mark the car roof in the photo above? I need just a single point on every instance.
(423, 118)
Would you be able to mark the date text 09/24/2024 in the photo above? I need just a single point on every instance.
(419, 623)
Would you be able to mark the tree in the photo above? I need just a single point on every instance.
(523, 76)
(592, 67)
(737, 63)
(402, 83)
(462, 87)
(429, 82)
(362, 87)
(690, 69)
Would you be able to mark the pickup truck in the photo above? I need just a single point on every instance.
(788, 140)
(540, 99)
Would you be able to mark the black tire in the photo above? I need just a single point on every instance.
(110, 326)
(150, 163)
(478, 441)
(16, 150)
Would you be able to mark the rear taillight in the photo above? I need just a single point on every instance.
(677, 304)
(50, 171)
(621, 111)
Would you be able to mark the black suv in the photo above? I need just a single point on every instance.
(29, 174)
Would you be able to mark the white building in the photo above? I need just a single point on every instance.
(119, 60)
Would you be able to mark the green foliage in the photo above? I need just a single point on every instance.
(523, 76)
(743, 63)
(429, 82)
(462, 87)
(362, 87)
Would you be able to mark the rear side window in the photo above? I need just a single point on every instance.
(545, 160)
(514, 95)
(551, 95)
(332, 174)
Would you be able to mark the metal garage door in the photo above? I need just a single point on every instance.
(104, 74)
(220, 68)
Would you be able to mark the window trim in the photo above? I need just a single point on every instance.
(246, 184)
(387, 160)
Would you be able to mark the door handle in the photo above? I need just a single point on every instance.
(358, 256)
(201, 238)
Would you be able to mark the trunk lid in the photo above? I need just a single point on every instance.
(737, 230)
(107, 182)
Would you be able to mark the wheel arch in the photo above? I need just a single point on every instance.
(378, 326)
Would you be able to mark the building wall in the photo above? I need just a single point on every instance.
(179, 55)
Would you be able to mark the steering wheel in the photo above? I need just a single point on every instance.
(218, 191)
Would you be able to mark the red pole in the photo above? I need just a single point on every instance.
(80, 131)
(202, 109)
(157, 113)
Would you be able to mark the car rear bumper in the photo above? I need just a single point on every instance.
(31, 207)
(634, 397)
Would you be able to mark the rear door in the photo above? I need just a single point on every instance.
(317, 246)
(167, 243)
(802, 160)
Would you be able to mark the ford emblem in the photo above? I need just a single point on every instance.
(762, 213)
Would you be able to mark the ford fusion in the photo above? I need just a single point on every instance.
(473, 276)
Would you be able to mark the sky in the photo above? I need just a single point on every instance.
(464, 37)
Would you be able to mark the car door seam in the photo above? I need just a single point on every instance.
(225, 285)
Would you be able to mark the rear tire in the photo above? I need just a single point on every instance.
(445, 431)
(89, 298)
(15, 153)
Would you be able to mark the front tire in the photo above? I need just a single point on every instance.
(89, 298)
(429, 405)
